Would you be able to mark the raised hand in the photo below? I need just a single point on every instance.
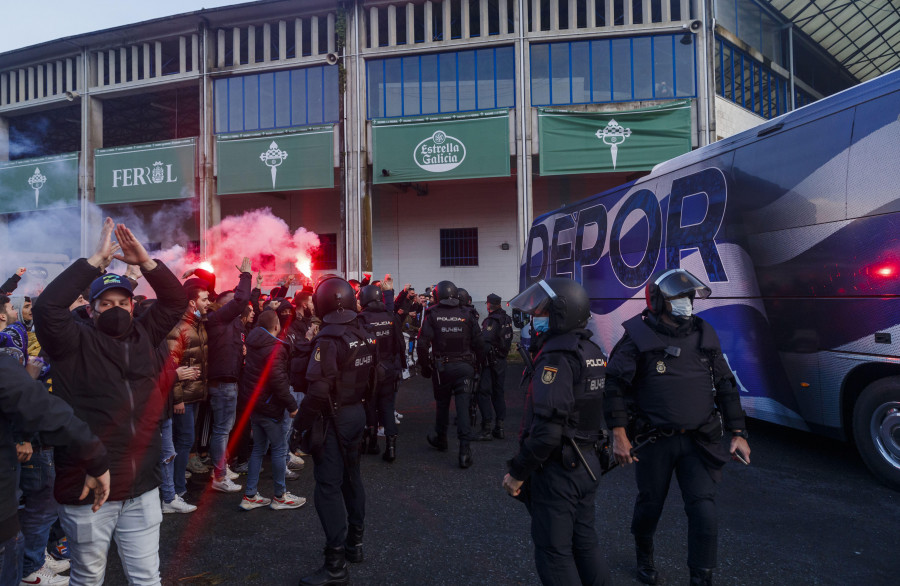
(21, 271)
(245, 266)
(133, 252)
(106, 248)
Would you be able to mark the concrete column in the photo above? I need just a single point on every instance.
(113, 78)
(373, 26)
(554, 15)
(524, 204)
(251, 44)
(267, 42)
(135, 59)
(220, 53)
(535, 16)
(298, 38)
(329, 27)
(666, 11)
(235, 46)
(146, 50)
(484, 23)
(573, 15)
(282, 39)
(4, 139)
(182, 56)
(503, 17)
(158, 57)
(464, 19)
(429, 22)
(91, 138)
(314, 35)
(446, 20)
(592, 13)
(195, 52)
(101, 67)
(60, 88)
(210, 211)
(392, 25)
(4, 88)
(410, 24)
(40, 81)
(357, 196)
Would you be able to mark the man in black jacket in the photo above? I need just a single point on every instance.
(108, 372)
(498, 333)
(27, 404)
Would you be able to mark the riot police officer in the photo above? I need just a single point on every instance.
(385, 328)
(497, 331)
(670, 366)
(456, 347)
(331, 423)
(556, 469)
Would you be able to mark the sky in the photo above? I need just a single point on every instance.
(30, 22)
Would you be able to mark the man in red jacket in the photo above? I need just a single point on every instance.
(108, 371)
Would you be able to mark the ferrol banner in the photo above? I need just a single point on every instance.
(251, 162)
(40, 183)
(602, 142)
(430, 148)
(145, 172)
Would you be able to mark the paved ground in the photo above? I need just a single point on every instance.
(805, 512)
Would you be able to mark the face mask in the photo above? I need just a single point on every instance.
(114, 322)
(682, 307)
(197, 313)
(541, 324)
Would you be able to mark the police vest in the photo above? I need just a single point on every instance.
(674, 375)
(452, 327)
(355, 369)
(380, 326)
(497, 329)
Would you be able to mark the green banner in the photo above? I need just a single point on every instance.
(145, 172)
(602, 142)
(430, 148)
(251, 162)
(40, 183)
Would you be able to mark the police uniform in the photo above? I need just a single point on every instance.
(676, 380)
(497, 331)
(457, 346)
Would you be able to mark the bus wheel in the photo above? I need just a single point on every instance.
(876, 429)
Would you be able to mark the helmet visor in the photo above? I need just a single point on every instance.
(534, 299)
(680, 282)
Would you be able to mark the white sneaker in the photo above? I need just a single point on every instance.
(398, 415)
(231, 474)
(196, 466)
(44, 577)
(225, 485)
(287, 501)
(178, 506)
(296, 462)
(248, 503)
(380, 431)
(54, 565)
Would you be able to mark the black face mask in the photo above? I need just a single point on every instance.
(114, 322)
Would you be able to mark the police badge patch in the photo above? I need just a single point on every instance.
(661, 367)
(549, 375)
(318, 356)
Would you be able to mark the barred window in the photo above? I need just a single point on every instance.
(325, 258)
(459, 247)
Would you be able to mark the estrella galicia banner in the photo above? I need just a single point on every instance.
(603, 142)
(431, 148)
(39, 183)
(145, 172)
(252, 162)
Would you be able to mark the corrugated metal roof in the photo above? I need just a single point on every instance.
(863, 35)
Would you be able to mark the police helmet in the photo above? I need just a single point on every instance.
(370, 294)
(334, 299)
(565, 301)
(668, 284)
(446, 293)
(463, 296)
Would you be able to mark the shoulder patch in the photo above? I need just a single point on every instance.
(548, 375)
(318, 355)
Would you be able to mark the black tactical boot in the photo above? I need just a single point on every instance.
(390, 449)
(646, 569)
(465, 455)
(438, 442)
(333, 573)
(498, 430)
(701, 577)
(485, 435)
(353, 547)
(372, 446)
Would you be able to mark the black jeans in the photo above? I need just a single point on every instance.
(454, 382)
(491, 396)
(380, 408)
(698, 483)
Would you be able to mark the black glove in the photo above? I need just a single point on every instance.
(311, 408)
(425, 370)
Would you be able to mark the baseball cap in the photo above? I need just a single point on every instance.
(494, 299)
(109, 281)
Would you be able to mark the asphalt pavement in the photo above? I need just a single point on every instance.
(806, 511)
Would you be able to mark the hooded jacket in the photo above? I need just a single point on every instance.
(265, 384)
(112, 384)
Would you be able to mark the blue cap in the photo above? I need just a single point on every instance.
(110, 281)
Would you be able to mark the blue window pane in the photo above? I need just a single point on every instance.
(251, 102)
(393, 86)
(643, 68)
(684, 70)
(235, 104)
(621, 50)
(447, 64)
(466, 80)
(485, 60)
(663, 67)
(748, 24)
(267, 100)
(600, 71)
(540, 75)
(283, 99)
(331, 94)
(581, 73)
(376, 86)
(411, 86)
(314, 88)
(559, 70)
(506, 77)
(221, 99)
(298, 105)
(429, 84)
(725, 14)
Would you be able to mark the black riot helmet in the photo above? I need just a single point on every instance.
(447, 293)
(335, 300)
(668, 284)
(369, 294)
(463, 296)
(565, 301)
